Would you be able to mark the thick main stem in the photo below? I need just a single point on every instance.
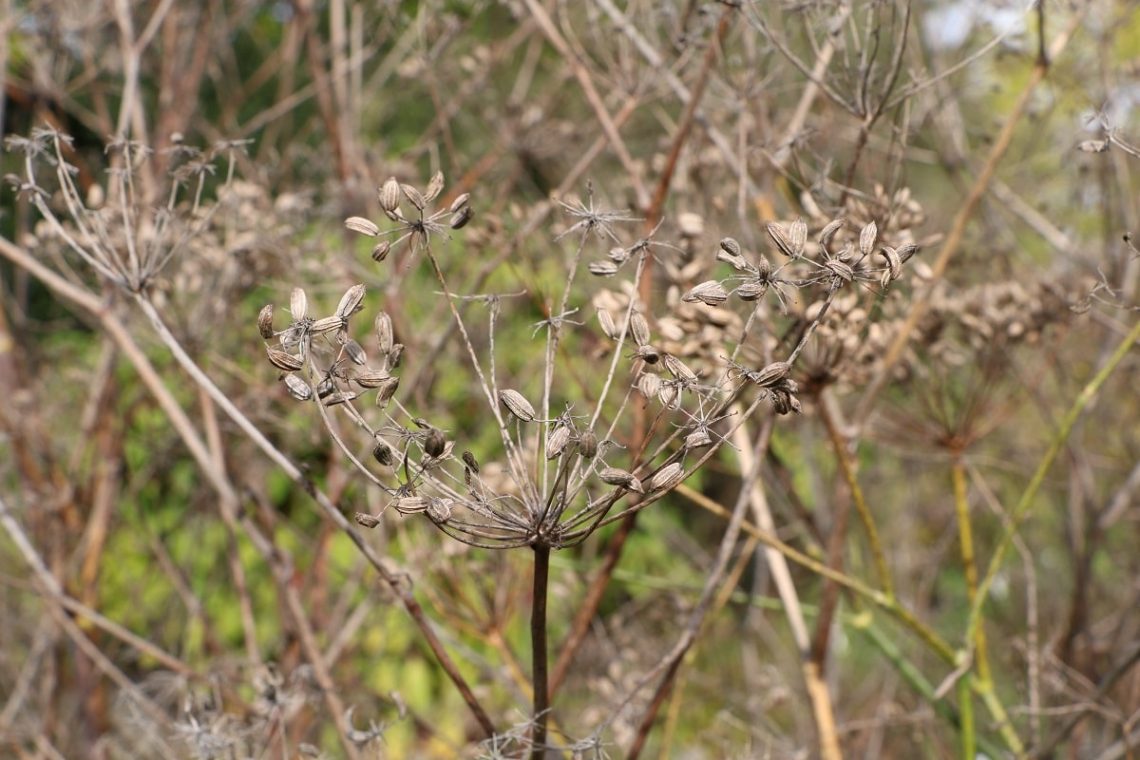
(538, 651)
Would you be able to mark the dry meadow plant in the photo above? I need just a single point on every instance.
(807, 429)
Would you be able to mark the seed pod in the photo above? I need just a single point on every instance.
(517, 405)
(370, 378)
(607, 323)
(649, 385)
(471, 462)
(434, 443)
(797, 236)
(709, 292)
(678, 369)
(639, 328)
(906, 251)
(355, 352)
(670, 397)
(384, 333)
(867, 238)
(298, 388)
(386, 391)
(390, 196)
(751, 290)
(619, 255)
(602, 268)
(298, 304)
(781, 239)
(326, 325)
(410, 505)
(395, 355)
(366, 521)
(362, 225)
(326, 388)
(771, 375)
(350, 302)
(434, 186)
(739, 263)
(382, 453)
(667, 477)
(894, 263)
(839, 269)
(283, 360)
(556, 441)
(588, 444)
(380, 251)
(698, 439)
(730, 246)
(626, 480)
(340, 397)
(265, 321)
(829, 230)
(413, 196)
(647, 354)
(439, 510)
(764, 269)
(459, 203)
(460, 218)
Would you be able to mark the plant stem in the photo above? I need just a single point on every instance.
(970, 569)
(848, 468)
(1025, 504)
(538, 650)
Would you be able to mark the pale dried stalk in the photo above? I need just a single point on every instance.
(814, 680)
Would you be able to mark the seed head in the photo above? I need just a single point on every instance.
(557, 440)
(588, 444)
(362, 225)
(460, 218)
(298, 388)
(434, 187)
(283, 360)
(514, 403)
(434, 443)
(667, 477)
(390, 196)
(626, 480)
(381, 250)
(265, 321)
(867, 238)
(382, 453)
(709, 292)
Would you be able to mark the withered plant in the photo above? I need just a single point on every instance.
(808, 428)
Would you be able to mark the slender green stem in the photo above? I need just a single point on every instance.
(1021, 512)
(890, 605)
(966, 720)
(867, 624)
(969, 565)
(970, 570)
(848, 468)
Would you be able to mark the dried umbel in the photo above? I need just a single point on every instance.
(418, 226)
(554, 478)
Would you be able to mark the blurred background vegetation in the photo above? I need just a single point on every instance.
(135, 622)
